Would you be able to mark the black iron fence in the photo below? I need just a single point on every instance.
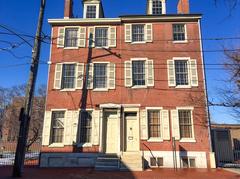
(8, 149)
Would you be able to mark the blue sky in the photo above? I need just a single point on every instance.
(21, 16)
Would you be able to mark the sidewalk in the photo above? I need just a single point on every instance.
(81, 173)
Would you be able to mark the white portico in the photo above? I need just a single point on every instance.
(119, 128)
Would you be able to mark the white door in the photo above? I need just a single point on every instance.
(132, 133)
(111, 133)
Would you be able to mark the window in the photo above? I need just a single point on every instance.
(156, 7)
(188, 162)
(68, 76)
(101, 37)
(100, 75)
(71, 37)
(154, 124)
(181, 70)
(57, 126)
(156, 162)
(138, 33)
(138, 70)
(91, 11)
(185, 123)
(179, 32)
(86, 127)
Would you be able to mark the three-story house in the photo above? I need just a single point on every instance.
(126, 92)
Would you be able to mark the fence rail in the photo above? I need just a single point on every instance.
(8, 149)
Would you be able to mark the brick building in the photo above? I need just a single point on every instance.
(126, 86)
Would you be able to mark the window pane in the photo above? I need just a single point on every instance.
(71, 37)
(154, 124)
(185, 162)
(192, 163)
(91, 12)
(138, 70)
(57, 127)
(181, 70)
(100, 75)
(178, 32)
(185, 123)
(86, 127)
(68, 76)
(101, 37)
(137, 33)
(156, 7)
(153, 161)
(160, 162)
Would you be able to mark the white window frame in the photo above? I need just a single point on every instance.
(108, 27)
(151, 4)
(186, 36)
(144, 38)
(57, 145)
(85, 10)
(71, 27)
(155, 139)
(69, 89)
(146, 75)
(192, 139)
(89, 144)
(161, 7)
(189, 72)
(107, 87)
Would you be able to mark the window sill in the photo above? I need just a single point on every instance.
(186, 140)
(65, 90)
(143, 42)
(85, 145)
(183, 86)
(180, 42)
(102, 47)
(138, 87)
(155, 140)
(71, 48)
(100, 89)
(56, 145)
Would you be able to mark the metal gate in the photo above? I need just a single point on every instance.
(227, 150)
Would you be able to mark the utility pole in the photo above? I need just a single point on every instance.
(26, 113)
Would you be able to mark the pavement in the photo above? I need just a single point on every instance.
(88, 173)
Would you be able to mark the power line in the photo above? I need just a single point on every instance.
(8, 29)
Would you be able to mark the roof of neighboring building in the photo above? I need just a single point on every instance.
(225, 126)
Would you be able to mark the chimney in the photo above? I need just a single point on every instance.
(183, 7)
(68, 9)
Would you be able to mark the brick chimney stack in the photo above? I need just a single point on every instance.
(183, 7)
(68, 9)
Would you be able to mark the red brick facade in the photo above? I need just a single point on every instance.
(160, 95)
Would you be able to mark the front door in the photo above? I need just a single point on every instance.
(131, 132)
(111, 145)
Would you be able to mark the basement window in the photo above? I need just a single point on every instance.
(188, 162)
(156, 162)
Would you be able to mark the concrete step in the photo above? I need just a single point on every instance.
(107, 168)
(107, 163)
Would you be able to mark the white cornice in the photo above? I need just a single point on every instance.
(124, 19)
(80, 21)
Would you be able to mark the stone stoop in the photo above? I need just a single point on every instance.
(107, 163)
(131, 161)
